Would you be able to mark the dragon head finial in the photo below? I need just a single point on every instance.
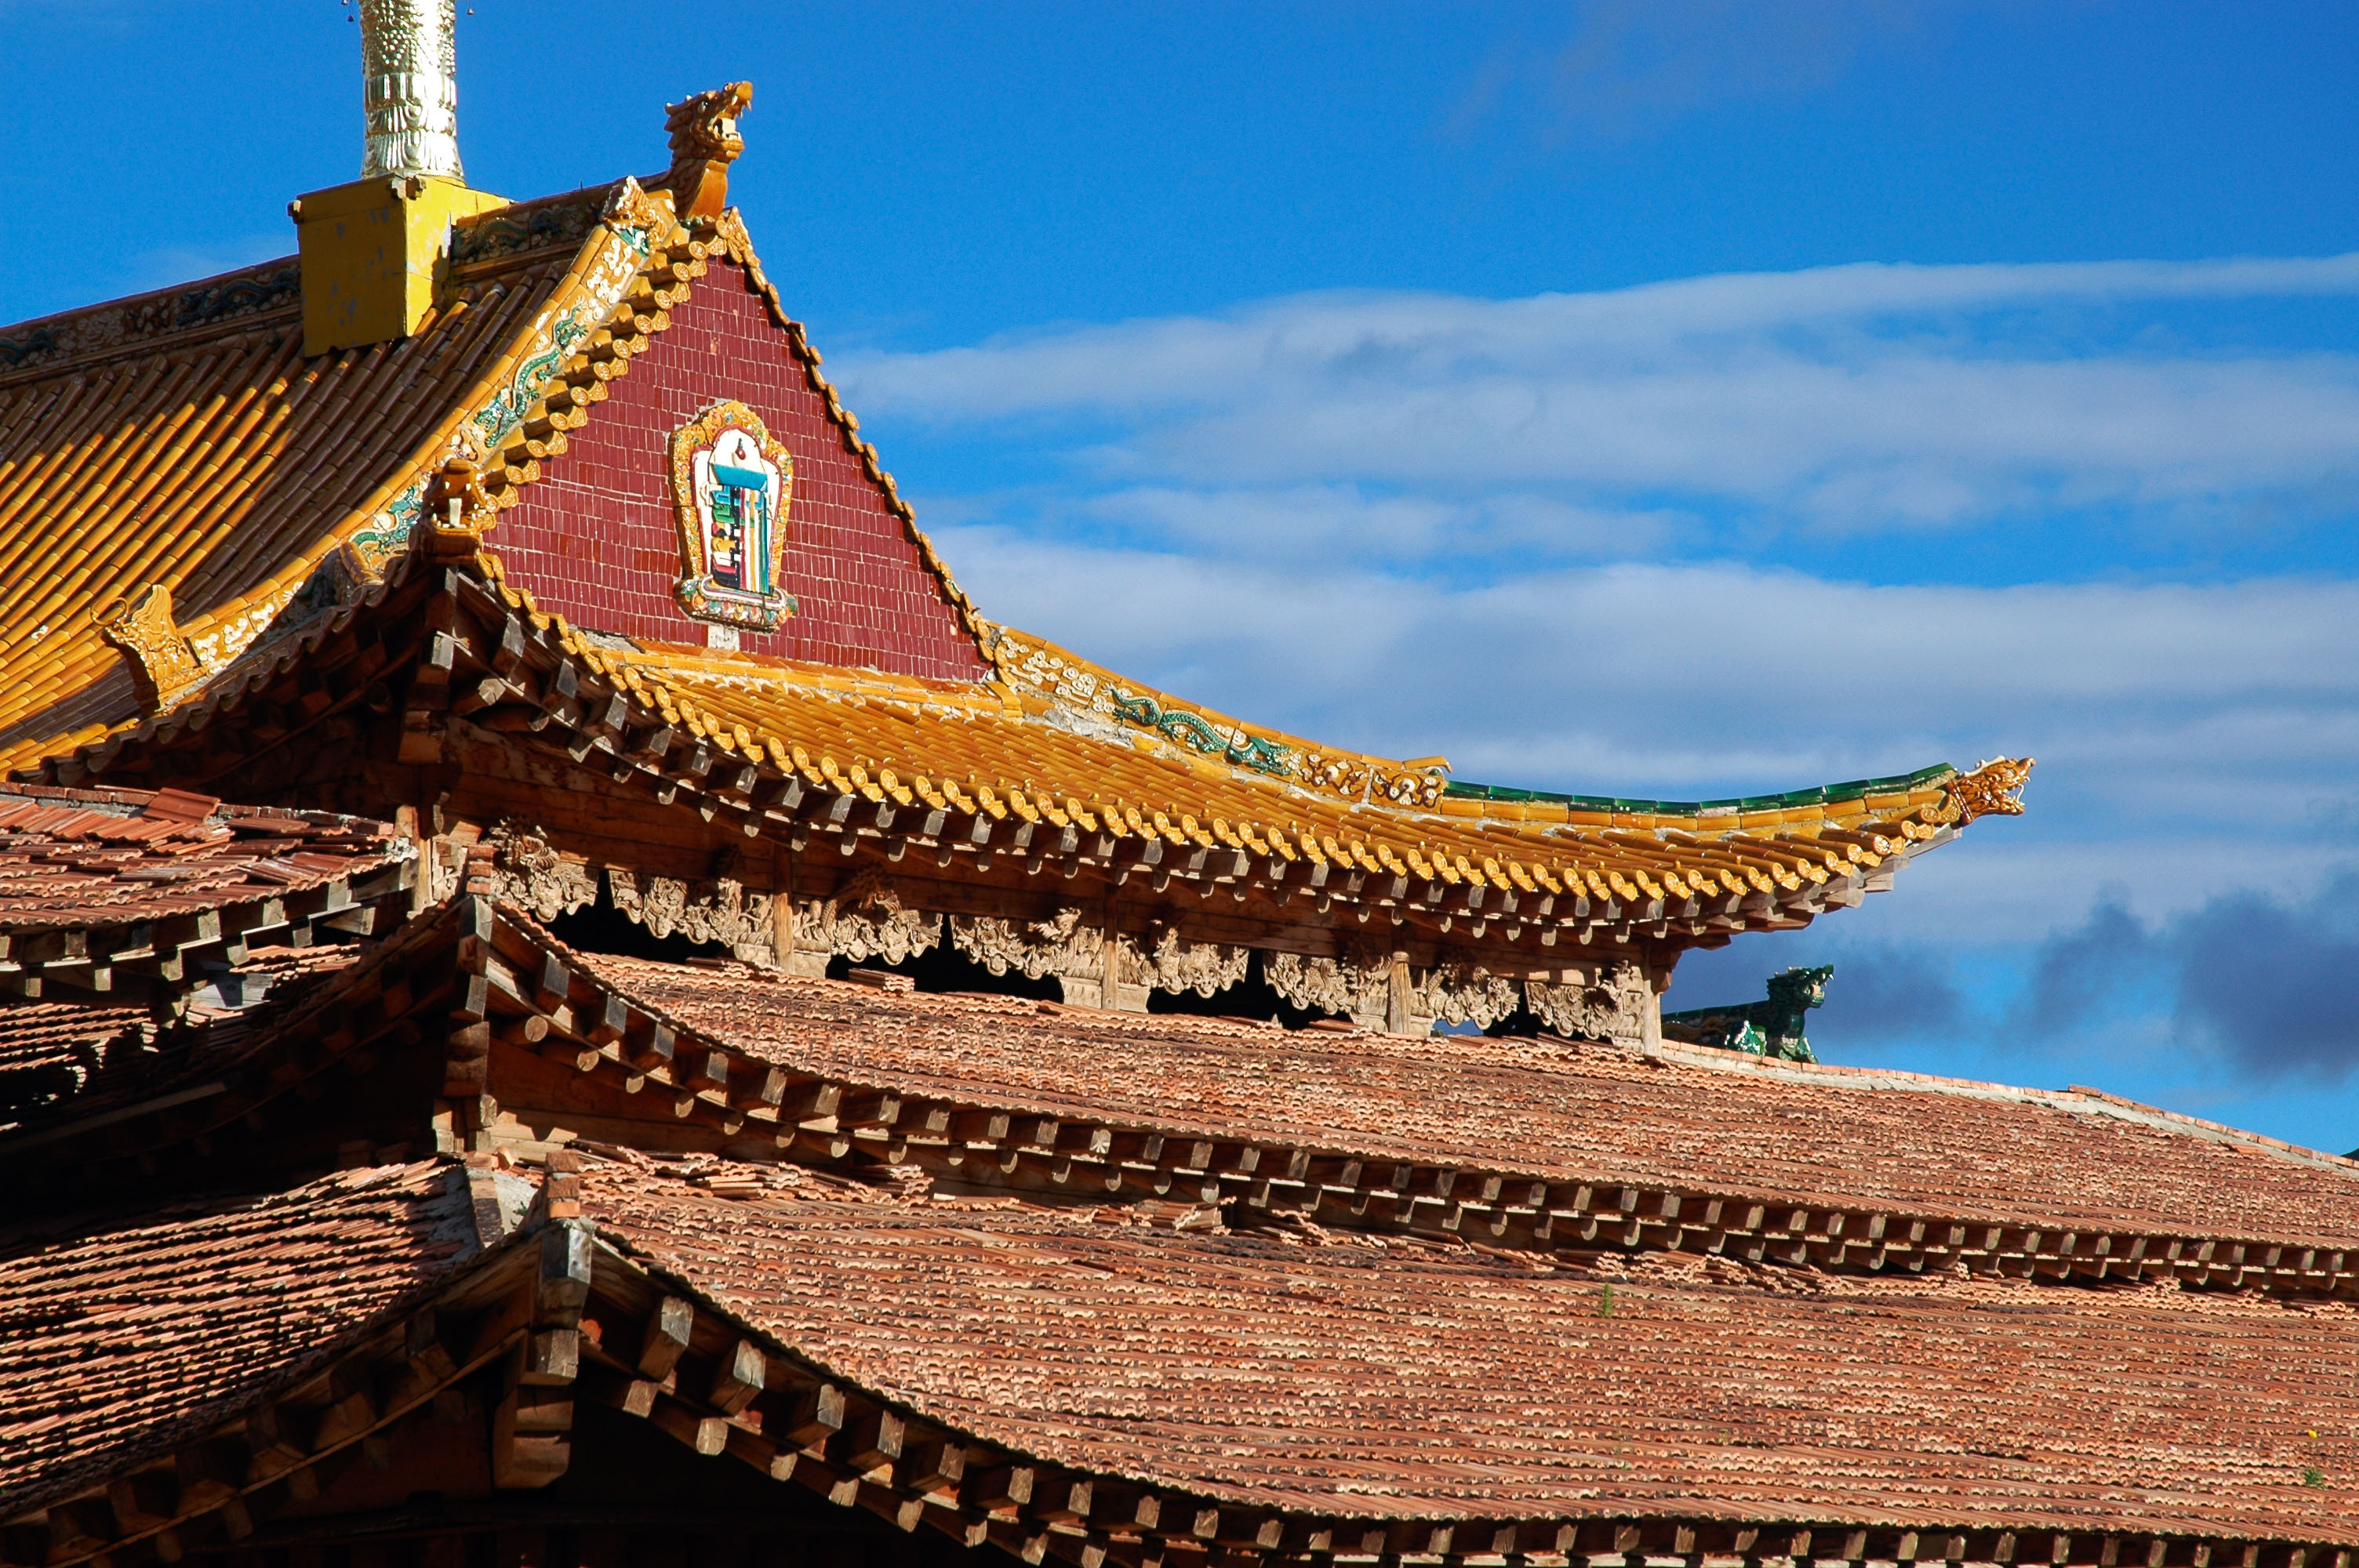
(1994, 789)
(704, 143)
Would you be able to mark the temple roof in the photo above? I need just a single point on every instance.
(1334, 1377)
(97, 1373)
(252, 484)
(1064, 738)
(111, 894)
(1535, 1146)
(1106, 1381)
(1092, 1283)
(1680, 1121)
(180, 439)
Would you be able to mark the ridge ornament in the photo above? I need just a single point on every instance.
(731, 486)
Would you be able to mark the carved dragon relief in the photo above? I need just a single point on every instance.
(163, 667)
(1994, 789)
(704, 143)
(1611, 1006)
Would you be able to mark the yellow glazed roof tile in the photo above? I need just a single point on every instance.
(1102, 748)
(181, 439)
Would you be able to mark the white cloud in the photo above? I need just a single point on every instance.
(1544, 537)
(1855, 396)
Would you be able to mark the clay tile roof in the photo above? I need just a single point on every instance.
(80, 859)
(48, 1052)
(123, 1333)
(1713, 1131)
(1327, 1374)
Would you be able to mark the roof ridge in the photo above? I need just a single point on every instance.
(376, 534)
(44, 345)
(2068, 1098)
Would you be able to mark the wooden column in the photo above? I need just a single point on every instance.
(782, 909)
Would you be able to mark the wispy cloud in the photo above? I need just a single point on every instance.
(1621, 68)
(1855, 398)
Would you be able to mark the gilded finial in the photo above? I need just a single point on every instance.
(704, 143)
(410, 65)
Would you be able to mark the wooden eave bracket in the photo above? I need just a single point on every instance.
(348, 1027)
(162, 962)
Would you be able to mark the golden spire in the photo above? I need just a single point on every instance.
(410, 65)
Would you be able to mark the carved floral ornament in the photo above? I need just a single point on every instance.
(1070, 949)
(864, 921)
(731, 485)
(714, 908)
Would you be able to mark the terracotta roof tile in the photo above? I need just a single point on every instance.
(49, 1051)
(118, 1334)
(1691, 1121)
(1339, 1375)
(74, 859)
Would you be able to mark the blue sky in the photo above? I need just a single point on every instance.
(1672, 398)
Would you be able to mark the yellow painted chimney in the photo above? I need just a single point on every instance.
(374, 252)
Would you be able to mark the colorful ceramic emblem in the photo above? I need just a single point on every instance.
(732, 483)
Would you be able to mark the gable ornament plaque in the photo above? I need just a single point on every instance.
(731, 484)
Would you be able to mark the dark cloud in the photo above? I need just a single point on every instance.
(2081, 975)
(2271, 985)
(1892, 993)
(2276, 986)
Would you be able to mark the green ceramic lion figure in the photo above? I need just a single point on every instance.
(1771, 1028)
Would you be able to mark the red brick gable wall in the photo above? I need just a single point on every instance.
(596, 539)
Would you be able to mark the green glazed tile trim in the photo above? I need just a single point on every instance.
(1823, 794)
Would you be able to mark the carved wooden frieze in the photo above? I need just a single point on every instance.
(532, 874)
(1163, 960)
(1061, 945)
(1613, 1004)
(715, 909)
(863, 920)
(1356, 984)
(1462, 991)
